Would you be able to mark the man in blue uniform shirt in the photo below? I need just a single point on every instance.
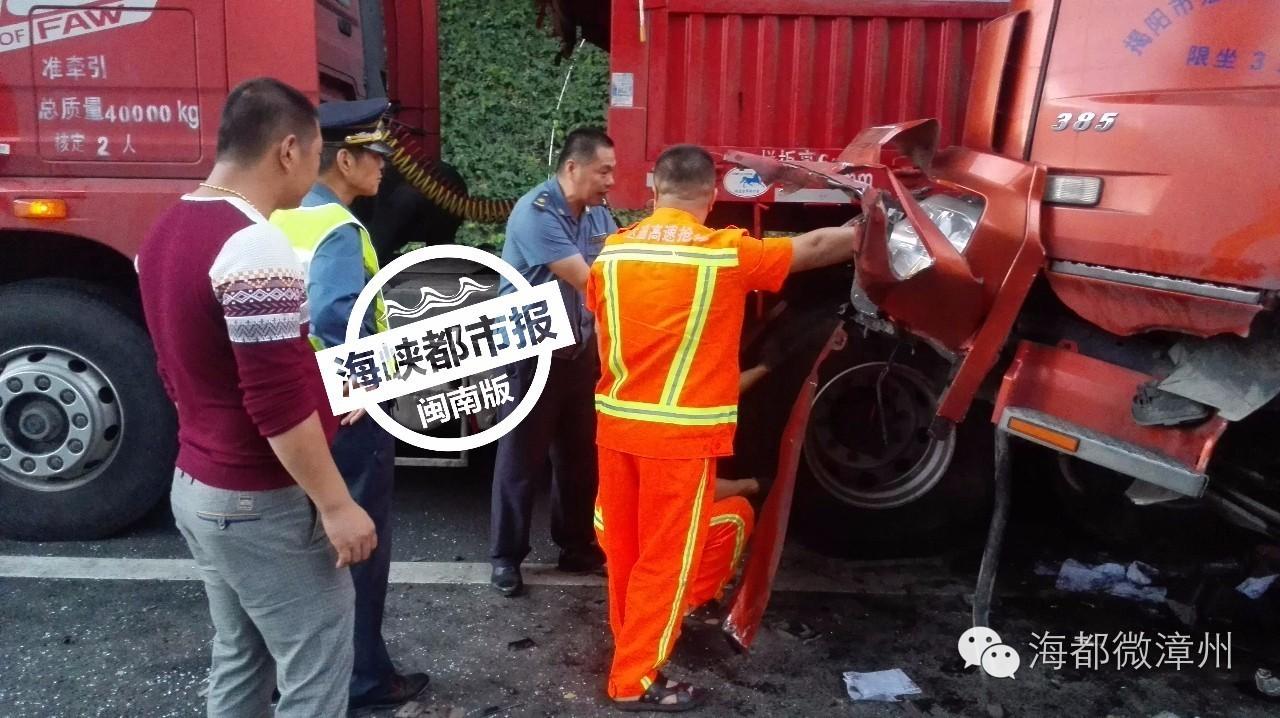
(338, 254)
(554, 233)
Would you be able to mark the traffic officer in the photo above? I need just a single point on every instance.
(553, 234)
(340, 259)
(669, 294)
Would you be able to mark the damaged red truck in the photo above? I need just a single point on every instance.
(1093, 268)
(1085, 208)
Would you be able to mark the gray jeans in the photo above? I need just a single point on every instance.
(282, 614)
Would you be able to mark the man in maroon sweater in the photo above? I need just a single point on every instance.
(256, 493)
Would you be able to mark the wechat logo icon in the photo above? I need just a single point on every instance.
(981, 646)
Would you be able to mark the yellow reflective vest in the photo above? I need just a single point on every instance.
(307, 227)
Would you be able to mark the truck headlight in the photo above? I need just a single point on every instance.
(954, 217)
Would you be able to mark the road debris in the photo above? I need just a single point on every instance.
(882, 686)
(1256, 586)
(797, 629)
(1268, 684)
(413, 709)
(1132, 582)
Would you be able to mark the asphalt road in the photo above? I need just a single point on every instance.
(113, 646)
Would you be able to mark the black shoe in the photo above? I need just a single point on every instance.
(507, 580)
(404, 688)
(589, 559)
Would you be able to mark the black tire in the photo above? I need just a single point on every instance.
(1092, 502)
(945, 514)
(63, 318)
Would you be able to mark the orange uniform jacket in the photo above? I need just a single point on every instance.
(669, 295)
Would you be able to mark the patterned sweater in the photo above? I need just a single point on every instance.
(224, 301)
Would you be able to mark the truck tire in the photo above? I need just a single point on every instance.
(1091, 500)
(87, 433)
(860, 495)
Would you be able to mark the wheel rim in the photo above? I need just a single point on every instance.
(60, 419)
(845, 445)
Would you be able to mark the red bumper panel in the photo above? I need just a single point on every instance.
(1089, 400)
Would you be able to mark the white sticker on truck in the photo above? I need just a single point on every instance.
(742, 182)
(622, 89)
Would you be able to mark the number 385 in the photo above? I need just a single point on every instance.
(1085, 121)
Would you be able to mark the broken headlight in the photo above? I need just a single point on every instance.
(954, 217)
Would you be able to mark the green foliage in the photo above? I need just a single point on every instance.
(499, 82)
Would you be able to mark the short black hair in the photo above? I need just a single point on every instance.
(581, 145)
(686, 171)
(329, 156)
(259, 113)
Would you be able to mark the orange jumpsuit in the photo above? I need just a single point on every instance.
(669, 296)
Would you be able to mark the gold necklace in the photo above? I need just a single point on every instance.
(230, 191)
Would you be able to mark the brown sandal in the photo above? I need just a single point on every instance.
(657, 698)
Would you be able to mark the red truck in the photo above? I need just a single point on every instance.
(795, 81)
(109, 111)
(1075, 264)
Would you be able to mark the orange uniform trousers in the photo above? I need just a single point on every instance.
(670, 547)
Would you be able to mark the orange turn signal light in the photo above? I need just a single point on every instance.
(1057, 439)
(40, 208)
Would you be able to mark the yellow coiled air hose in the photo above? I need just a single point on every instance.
(421, 172)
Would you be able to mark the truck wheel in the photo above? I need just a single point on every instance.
(87, 433)
(872, 480)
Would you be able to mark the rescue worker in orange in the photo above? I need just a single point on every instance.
(668, 295)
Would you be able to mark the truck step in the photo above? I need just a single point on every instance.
(1079, 405)
(1097, 448)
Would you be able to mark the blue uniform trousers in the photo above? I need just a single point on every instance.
(365, 455)
(557, 438)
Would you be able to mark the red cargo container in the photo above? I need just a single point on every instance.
(795, 79)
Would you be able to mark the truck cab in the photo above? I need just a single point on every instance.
(108, 113)
(1069, 266)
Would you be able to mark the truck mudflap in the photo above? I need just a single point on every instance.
(746, 608)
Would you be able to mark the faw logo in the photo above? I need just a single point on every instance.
(43, 21)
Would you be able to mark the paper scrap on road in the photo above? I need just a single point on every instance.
(1131, 582)
(1255, 587)
(883, 686)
